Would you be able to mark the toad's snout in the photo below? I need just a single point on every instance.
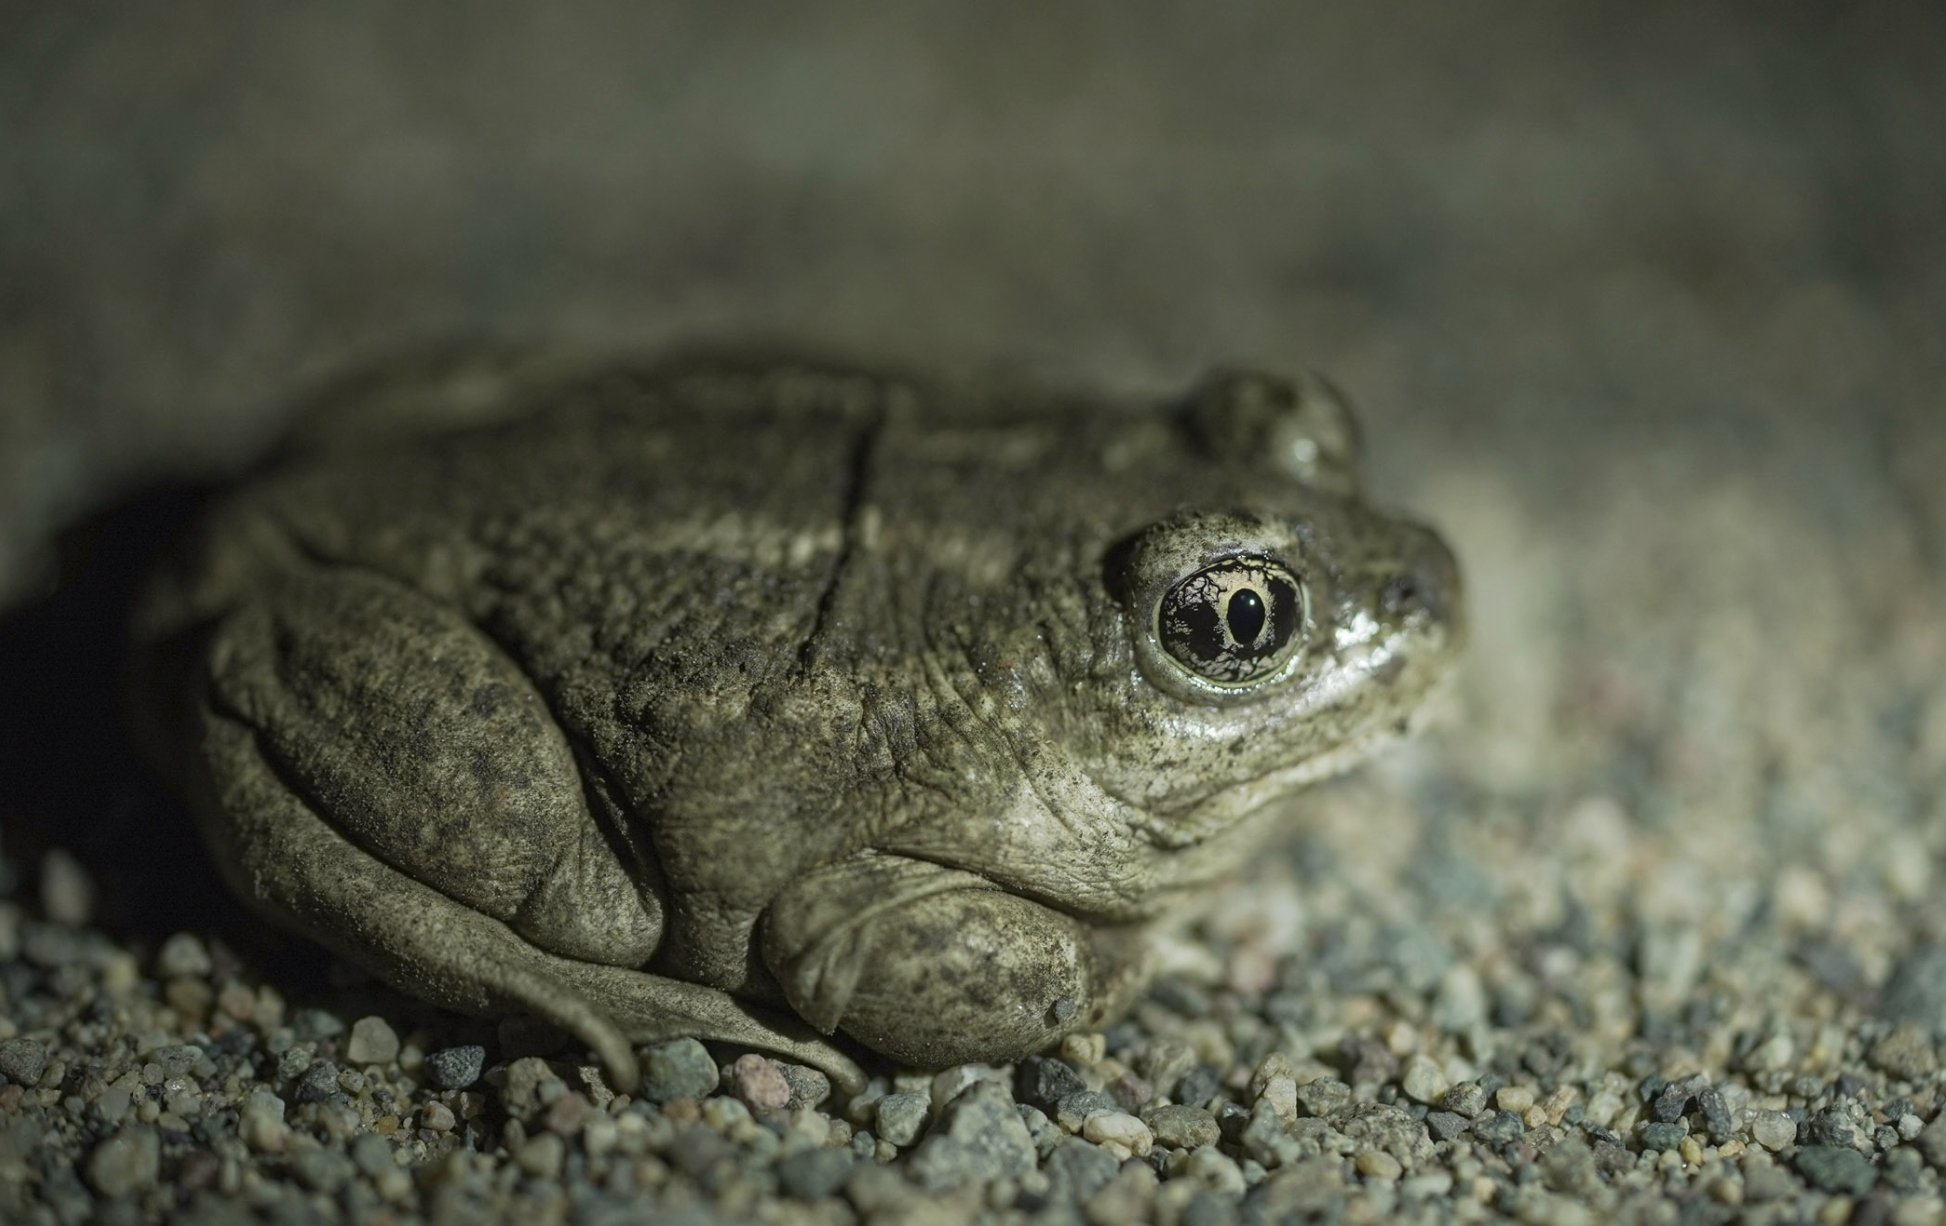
(1423, 590)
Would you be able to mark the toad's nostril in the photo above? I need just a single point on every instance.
(1427, 582)
(1401, 594)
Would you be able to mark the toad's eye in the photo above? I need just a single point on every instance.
(1233, 623)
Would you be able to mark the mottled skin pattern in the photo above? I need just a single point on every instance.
(765, 704)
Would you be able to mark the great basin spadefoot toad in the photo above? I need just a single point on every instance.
(766, 704)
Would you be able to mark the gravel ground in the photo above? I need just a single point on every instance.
(1643, 305)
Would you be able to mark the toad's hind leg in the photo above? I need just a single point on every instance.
(382, 779)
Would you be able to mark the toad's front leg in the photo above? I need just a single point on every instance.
(380, 777)
(934, 966)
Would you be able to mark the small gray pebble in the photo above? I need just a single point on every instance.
(808, 1086)
(1199, 1085)
(455, 1068)
(1659, 1135)
(311, 1025)
(318, 1084)
(1043, 1081)
(1904, 1172)
(177, 1059)
(679, 1069)
(1445, 1125)
(979, 1138)
(1074, 1109)
(1716, 1115)
(372, 1154)
(1671, 1104)
(1916, 990)
(814, 1174)
(1324, 1097)
(294, 1060)
(1500, 1128)
(1468, 1098)
(900, 1118)
(1832, 1126)
(23, 1060)
(1932, 1142)
(1079, 1169)
(1833, 1169)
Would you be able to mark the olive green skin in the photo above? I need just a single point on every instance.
(771, 703)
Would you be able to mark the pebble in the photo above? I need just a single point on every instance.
(1166, 1064)
(1077, 1169)
(437, 1116)
(530, 1085)
(1181, 1127)
(1907, 1054)
(1377, 1164)
(1833, 1169)
(541, 1156)
(126, 1162)
(1111, 1129)
(899, 1118)
(318, 1084)
(322, 1170)
(1932, 1142)
(1773, 1130)
(1500, 1128)
(1468, 1098)
(1216, 1171)
(373, 1154)
(1125, 1199)
(1445, 1125)
(1916, 990)
(682, 1068)
(979, 1136)
(1043, 1081)
(67, 891)
(456, 1068)
(183, 954)
(1072, 1112)
(313, 1025)
(567, 1115)
(261, 1123)
(373, 1041)
(1423, 1081)
(759, 1084)
(1657, 1135)
(1199, 1085)
(814, 1174)
(23, 1060)
(1324, 1097)
(809, 1088)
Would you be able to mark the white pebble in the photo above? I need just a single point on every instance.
(67, 891)
(1119, 1128)
(1424, 1081)
(183, 954)
(1773, 1129)
(372, 1042)
(1216, 1171)
(261, 1123)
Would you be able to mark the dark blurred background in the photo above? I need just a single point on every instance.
(1643, 303)
(1488, 220)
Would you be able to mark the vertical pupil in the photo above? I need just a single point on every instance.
(1245, 616)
